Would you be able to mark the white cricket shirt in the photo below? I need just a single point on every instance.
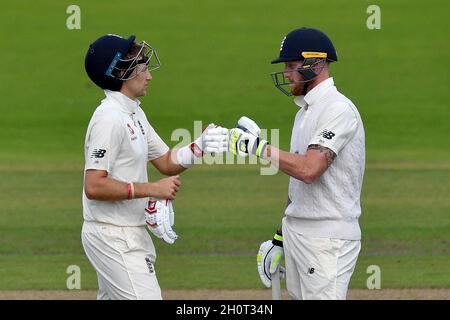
(120, 140)
(330, 206)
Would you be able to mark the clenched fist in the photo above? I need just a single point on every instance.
(167, 188)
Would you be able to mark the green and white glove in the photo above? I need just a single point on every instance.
(238, 142)
(245, 138)
(269, 257)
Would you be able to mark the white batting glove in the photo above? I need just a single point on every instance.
(245, 138)
(268, 259)
(160, 217)
(214, 139)
(248, 125)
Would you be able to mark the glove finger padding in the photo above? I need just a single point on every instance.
(249, 125)
(255, 144)
(169, 234)
(160, 217)
(214, 144)
(268, 259)
(213, 137)
(213, 132)
(239, 141)
(171, 214)
(276, 256)
(216, 150)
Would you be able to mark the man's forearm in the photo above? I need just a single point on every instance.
(109, 189)
(294, 165)
(173, 168)
(167, 164)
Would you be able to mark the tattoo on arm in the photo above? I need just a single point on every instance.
(329, 154)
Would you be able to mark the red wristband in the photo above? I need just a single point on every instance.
(129, 191)
(195, 149)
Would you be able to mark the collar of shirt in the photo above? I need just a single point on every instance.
(315, 94)
(126, 104)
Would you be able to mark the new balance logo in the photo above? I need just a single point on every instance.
(98, 153)
(311, 270)
(327, 134)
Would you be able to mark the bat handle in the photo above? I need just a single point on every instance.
(276, 285)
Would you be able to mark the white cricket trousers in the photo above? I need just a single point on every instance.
(318, 268)
(123, 258)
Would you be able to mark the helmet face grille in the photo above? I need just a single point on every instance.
(126, 69)
(281, 83)
(309, 69)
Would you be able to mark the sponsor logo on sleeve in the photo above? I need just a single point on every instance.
(327, 134)
(98, 153)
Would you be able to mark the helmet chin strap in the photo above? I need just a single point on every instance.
(305, 88)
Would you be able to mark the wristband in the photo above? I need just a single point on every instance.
(186, 155)
(129, 191)
(262, 145)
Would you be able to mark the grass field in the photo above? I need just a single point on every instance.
(215, 57)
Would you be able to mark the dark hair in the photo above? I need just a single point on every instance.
(132, 52)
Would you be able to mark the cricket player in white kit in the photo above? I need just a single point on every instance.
(320, 234)
(119, 144)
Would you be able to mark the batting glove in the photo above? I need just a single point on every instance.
(239, 142)
(160, 217)
(214, 139)
(269, 257)
(246, 139)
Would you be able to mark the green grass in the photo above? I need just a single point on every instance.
(49, 272)
(215, 57)
(405, 229)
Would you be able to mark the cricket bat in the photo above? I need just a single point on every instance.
(276, 285)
